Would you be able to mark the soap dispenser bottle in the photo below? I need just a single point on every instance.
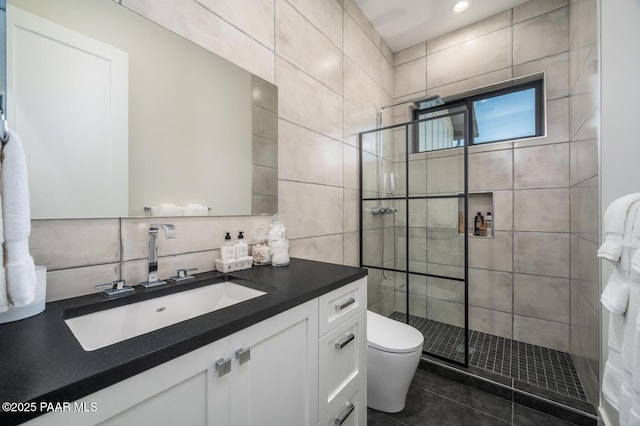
(241, 247)
(488, 224)
(227, 250)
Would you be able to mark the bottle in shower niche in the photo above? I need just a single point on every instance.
(228, 249)
(488, 225)
(241, 246)
(478, 224)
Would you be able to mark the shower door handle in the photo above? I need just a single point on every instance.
(340, 306)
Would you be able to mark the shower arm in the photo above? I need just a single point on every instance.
(433, 100)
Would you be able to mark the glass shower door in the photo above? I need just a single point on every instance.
(414, 230)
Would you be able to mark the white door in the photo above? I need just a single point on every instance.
(278, 384)
(58, 106)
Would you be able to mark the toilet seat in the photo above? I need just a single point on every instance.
(389, 335)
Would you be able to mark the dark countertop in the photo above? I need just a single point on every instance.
(41, 360)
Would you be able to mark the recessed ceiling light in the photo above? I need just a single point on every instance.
(460, 6)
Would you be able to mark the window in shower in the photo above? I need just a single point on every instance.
(513, 112)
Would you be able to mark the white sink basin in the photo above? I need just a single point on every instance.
(104, 328)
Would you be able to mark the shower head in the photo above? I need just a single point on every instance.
(428, 102)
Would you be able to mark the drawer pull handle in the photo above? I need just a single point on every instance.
(345, 414)
(223, 366)
(348, 302)
(345, 341)
(243, 355)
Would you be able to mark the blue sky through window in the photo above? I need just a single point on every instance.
(508, 116)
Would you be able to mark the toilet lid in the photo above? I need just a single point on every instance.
(389, 335)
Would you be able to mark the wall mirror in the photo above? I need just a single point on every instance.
(121, 117)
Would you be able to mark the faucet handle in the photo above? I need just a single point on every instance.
(117, 287)
(182, 273)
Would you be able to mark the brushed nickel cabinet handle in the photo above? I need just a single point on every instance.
(345, 341)
(348, 302)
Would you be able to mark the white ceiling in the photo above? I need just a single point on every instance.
(405, 23)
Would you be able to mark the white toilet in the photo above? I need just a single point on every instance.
(393, 354)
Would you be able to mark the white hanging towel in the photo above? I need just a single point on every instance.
(614, 220)
(18, 263)
(615, 296)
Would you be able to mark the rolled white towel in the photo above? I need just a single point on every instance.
(614, 225)
(19, 265)
(165, 209)
(615, 296)
(194, 210)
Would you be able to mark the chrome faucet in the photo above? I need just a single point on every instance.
(170, 233)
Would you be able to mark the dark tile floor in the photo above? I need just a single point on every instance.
(434, 400)
(539, 366)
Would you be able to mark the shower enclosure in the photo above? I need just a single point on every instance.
(414, 223)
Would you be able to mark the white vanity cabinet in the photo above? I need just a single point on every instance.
(274, 382)
(342, 356)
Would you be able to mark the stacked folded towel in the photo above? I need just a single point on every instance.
(18, 288)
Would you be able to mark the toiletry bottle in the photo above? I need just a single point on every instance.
(242, 249)
(488, 224)
(478, 224)
(227, 250)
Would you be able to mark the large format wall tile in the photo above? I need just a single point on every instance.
(491, 322)
(545, 210)
(186, 18)
(541, 253)
(470, 32)
(478, 56)
(492, 253)
(327, 248)
(491, 289)
(532, 9)
(360, 49)
(410, 54)
(72, 243)
(541, 166)
(324, 15)
(307, 102)
(557, 73)
(248, 15)
(360, 89)
(541, 297)
(66, 283)
(307, 156)
(545, 35)
(550, 334)
(311, 210)
(491, 170)
(303, 45)
(410, 78)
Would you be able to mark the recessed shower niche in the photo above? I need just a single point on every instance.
(480, 203)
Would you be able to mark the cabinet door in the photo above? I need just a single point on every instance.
(277, 379)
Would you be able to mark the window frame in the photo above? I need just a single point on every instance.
(468, 101)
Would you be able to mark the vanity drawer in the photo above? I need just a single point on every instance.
(341, 361)
(341, 304)
(350, 410)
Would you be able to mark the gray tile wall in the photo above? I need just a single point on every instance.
(520, 280)
(333, 73)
